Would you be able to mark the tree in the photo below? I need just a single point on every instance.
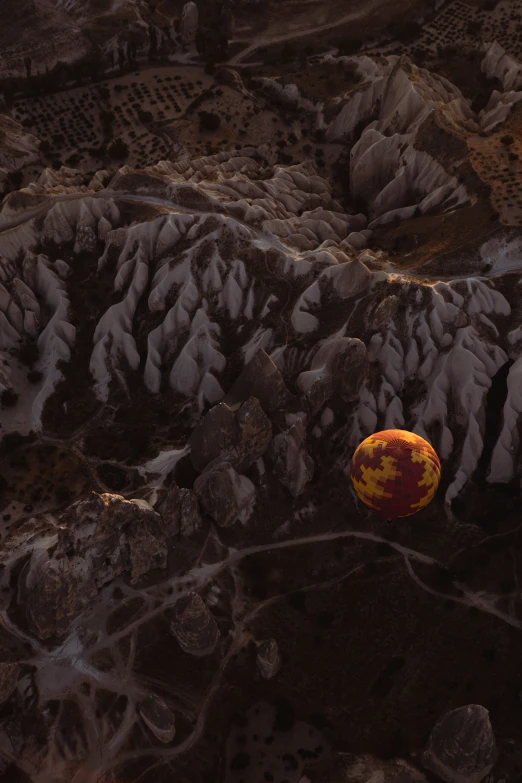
(8, 398)
(118, 150)
(15, 178)
(474, 28)
(28, 66)
(208, 121)
(507, 140)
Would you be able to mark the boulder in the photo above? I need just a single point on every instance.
(268, 659)
(260, 378)
(194, 626)
(254, 433)
(239, 438)
(116, 535)
(98, 539)
(350, 768)
(225, 495)
(356, 239)
(54, 592)
(352, 369)
(384, 312)
(147, 548)
(191, 522)
(461, 747)
(159, 719)
(340, 364)
(9, 674)
(179, 510)
(170, 508)
(350, 279)
(85, 240)
(215, 436)
(292, 463)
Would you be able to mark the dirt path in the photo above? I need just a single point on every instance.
(274, 39)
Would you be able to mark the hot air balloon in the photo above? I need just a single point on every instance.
(395, 472)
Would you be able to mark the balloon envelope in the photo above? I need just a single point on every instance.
(395, 472)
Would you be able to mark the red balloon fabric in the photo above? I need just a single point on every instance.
(395, 472)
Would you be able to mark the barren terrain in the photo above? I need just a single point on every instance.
(235, 240)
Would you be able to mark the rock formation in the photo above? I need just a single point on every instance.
(461, 747)
(158, 718)
(268, 659)
(9, 674)
(193, 626)
(180, 512)
(189, 23)
(239, 438)
(104, 537)
(18, 148)
(225, 495)
(292, 463)
(340, 365)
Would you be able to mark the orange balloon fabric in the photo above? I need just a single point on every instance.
(395, 472)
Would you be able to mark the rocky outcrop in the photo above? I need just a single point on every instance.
(194, 626)
(292, 463)
(340, 365)
(225, 495)
(18, 148)
(461, 747)
(9, 674)
(189, 23)
(260, 379)
(127, 535)
(159, 719)
(268, 659)
(239, 438)
(349, 768)
(179, 510)
(215, 436)
(254, 433)
(190, 516)
(54, 591)
(101, 537)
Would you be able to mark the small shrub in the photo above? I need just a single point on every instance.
(118, 149)
(16, 178)
(507, 140)
(209, 121)
(9, 398)
(34, 376)
(28, 354)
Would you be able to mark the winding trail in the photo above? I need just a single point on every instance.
(65, 668)
(293, 34)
